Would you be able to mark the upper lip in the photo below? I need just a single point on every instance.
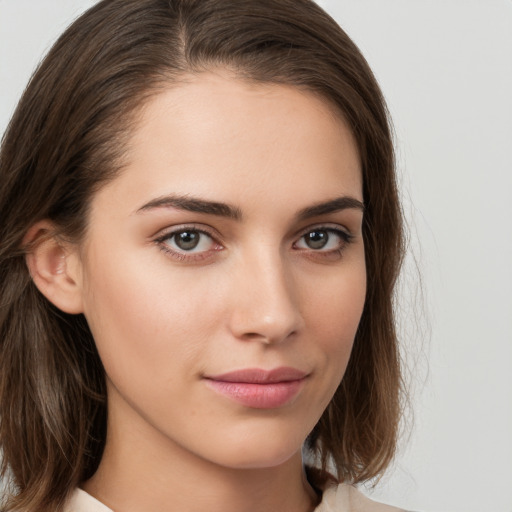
(260, 376)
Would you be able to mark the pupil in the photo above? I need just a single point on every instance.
(187, 240)
(317, 239)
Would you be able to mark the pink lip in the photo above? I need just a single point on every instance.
(257, 388)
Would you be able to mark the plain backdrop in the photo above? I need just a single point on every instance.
(446, 69)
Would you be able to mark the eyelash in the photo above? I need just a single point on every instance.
(329, 254)
(188, 256)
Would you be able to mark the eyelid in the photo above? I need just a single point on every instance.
(325, 255)
(186, 256)
(164, 233)
(327, 226)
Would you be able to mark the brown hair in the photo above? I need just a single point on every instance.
(66, 139)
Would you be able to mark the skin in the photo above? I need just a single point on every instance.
(252, 294)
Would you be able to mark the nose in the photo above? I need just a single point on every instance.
(266, 302)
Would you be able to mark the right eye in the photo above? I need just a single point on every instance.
(188, 243)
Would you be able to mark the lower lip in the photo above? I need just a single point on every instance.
(258, 396)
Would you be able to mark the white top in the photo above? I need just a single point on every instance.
(340, 498)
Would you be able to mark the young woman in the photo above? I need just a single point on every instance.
(199, 242)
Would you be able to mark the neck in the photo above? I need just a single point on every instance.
(144, 470)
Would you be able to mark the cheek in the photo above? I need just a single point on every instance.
(144, 321)
(334, 319)
(335, 307)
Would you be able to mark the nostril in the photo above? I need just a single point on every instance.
(269, 338)
(254, 336)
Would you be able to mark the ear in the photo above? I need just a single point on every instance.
(55, 267)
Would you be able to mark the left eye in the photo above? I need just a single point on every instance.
(189, 240)
(322, 240)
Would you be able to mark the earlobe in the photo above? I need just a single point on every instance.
(54, 268)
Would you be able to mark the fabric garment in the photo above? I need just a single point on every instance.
(347, 498)
(338, 498)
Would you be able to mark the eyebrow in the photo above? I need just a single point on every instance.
(197, 205)
(193, 204)
(334, 205)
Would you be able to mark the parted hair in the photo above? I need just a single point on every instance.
(67, 138)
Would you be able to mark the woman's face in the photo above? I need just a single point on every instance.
(223, 273)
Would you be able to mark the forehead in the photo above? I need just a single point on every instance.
(212, 134)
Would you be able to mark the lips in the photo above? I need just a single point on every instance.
(257, 388)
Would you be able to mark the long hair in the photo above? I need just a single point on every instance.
(67, 138)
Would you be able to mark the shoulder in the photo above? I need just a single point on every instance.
(80, 501)
(336, 498)
(347, 498)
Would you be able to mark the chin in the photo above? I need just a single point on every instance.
(265, 450)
